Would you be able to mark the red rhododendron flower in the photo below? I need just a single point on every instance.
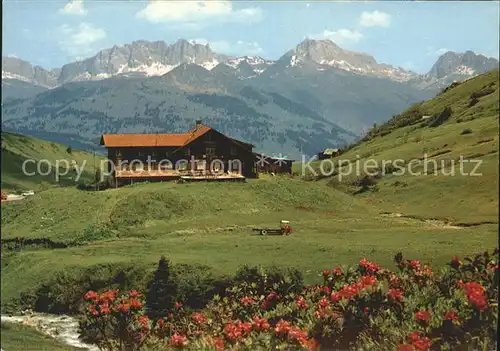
(232, 331)
(111, 295)
(422, 344)
(245, 327)
(423, 315)
(323, 302)
(475, 293)
(370, 267)
(247, 300)
(91, 308)
(134, 303)
(178, 305)
(91, 295)
(301, 302)
(424, 271)
(493, 266)
(282, 327)
(414, 336)
(326, 273)
(133, 293)
(394, 280)
(198, 318)
(104, 308)
(298, 334)
(311, 344)
(273, 296)
(364, 262)
(334, 297)
(368, 280)
(395, 295)
(419, 342)
(451, 316)
(178, 340)
(143, 321)
(260, 323)
(322, 312)
(337, 271)
(123, 307)
(415, 264)
(219, 344)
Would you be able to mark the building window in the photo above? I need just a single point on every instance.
(210, 151)
(188, 151)
(140, 153)
(118, 153)
(201, 165)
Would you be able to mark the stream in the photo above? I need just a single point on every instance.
(61, 327)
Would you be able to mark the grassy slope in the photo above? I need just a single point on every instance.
(210, 223)
(462, 199)
(17, 148)
(17, 337)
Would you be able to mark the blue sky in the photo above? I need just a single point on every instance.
(410, 34)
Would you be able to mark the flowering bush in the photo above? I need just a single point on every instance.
(366, 307)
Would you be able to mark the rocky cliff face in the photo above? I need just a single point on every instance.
(14, 68)
(466, 64)
(140, 57)
(451, 67)
(327, 53)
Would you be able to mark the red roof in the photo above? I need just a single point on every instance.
(151, 140)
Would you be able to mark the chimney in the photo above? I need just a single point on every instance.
(198, 123)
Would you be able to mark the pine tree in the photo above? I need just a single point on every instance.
(161, 291)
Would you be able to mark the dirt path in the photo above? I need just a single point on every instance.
(431, 223)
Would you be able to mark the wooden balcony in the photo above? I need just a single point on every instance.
(177, 174)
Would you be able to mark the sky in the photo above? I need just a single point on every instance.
(408, 34)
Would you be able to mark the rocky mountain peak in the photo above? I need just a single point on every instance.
(15, 68)
(327, 53)
(156, 58)
(464, 64)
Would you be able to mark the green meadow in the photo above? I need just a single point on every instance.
(335, 221)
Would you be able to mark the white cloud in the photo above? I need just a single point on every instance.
(435, 52)
(74, 7)
(341, 36)
(410, 66)
(78, 41)
(239, 47)
(375, 19)
(197, 13)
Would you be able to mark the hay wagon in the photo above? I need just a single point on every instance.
(285, 229)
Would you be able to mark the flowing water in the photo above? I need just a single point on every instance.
(61, 327)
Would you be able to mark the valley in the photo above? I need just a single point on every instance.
(373, 224)
(127, 230)
(294, 106)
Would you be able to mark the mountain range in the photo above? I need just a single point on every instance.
(314, 96)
